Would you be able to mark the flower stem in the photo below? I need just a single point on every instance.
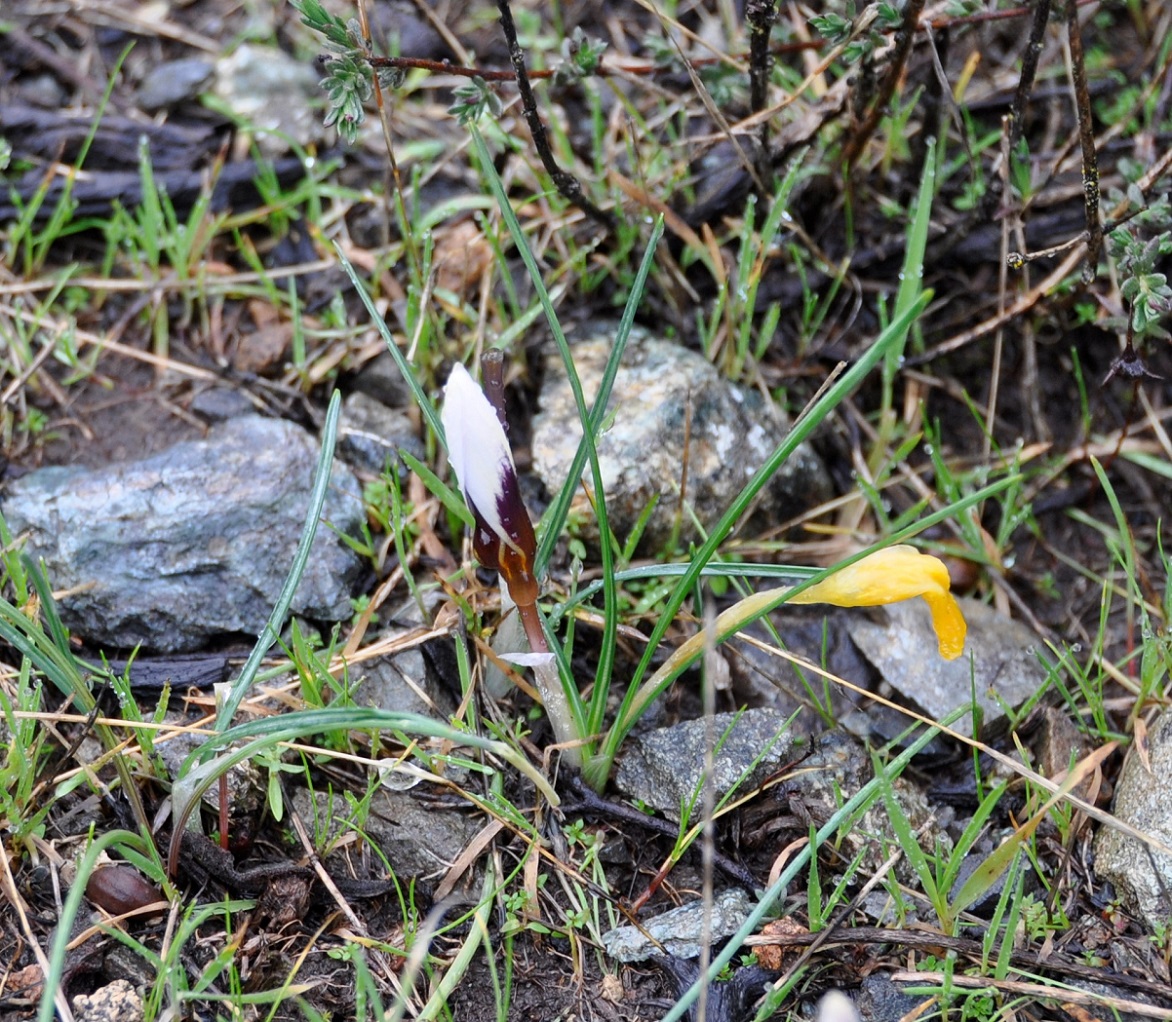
(549, 685)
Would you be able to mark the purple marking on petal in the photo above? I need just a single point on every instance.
(510, 508)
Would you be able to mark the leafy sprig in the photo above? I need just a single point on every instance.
(347, 81)
(1138, 247)
(581, 55)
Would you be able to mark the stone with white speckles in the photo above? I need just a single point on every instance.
(669, 406)
(1143, 800)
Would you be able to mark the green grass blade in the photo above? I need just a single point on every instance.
(272, 629)
(733, 947)
(57, 630)
(450, 499)
(426, 406)
(267, 731)
(801, 430)
(905, 835)
(555, 518)
(911, 277)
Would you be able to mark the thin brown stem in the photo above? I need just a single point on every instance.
(904, 37)
(759, 16)
(1086, 138)
(1029, 70)
(531, 622)
(565, 182)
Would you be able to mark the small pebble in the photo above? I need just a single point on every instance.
(174, 82)
(120, 889)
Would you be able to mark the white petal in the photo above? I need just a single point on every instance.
(835, 1006)
(477, 446)
(527, 659)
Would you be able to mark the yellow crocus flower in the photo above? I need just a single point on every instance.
(887, 576)
(892, 574)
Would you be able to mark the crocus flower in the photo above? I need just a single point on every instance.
(887, 576)
(503, 538)
(479, 452)
(892, 574)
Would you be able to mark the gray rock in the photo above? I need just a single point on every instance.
(272, 92)
(664, 768)
(670, 406)
(400, 683)
(371, 435)
(680, 930)
(418, 839)
(43, 90)
(899, 641)
(819, 635)
(218, 404)
(1056, 743)
(115, 1002)
(1143, 799)
(190, 543)
(382, 380)
(174, 81)
(882, 1000)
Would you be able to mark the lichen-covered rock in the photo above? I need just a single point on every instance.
(677, 425)
(190, 543)
(1143, 801)
(682, 932)
(665, 768)
(115, 1002)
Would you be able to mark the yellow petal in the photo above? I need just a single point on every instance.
(948, 622)
(890, 575)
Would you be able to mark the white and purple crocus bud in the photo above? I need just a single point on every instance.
(483, 462)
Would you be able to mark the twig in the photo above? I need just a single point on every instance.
(565, 182)
(759, 16)
(1015, 119)
(902, 48)
(1086, 138)
(904, 938)
(1067, 998)
(1029, 70)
